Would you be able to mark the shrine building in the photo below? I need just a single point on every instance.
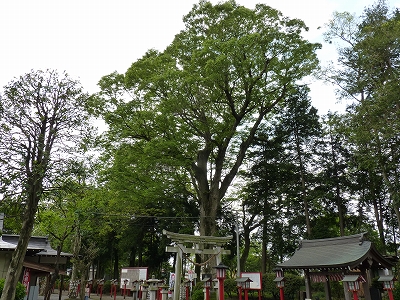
(347, 259)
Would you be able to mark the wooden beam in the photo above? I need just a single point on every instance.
(197, 239)
(175, 249)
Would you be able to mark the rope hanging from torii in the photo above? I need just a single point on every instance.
(187, 256)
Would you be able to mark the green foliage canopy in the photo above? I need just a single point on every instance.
(196, 106)
(43, 125)
(368, 72)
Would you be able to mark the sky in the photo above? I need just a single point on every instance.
(93, 38)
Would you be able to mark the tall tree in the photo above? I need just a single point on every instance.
(42, 125)
(266, 186)
(334, 176)
(279, 181)
(57, 217)
(197, 105)
(298, 124)
(369, 60)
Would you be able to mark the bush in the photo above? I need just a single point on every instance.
(197, 295)
(20, 292)
(293, 285)
(230, 287)
(107, 287)
(198, 292)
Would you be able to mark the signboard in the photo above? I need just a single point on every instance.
(256, 280)
(26, 279)
(132, 274)
(171, 281)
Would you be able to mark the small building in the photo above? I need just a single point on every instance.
(331, 259)
(40, 259)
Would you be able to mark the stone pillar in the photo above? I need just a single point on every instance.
(308, 284)
(153, 287)
(178, 270)
(366, 285)
(164, 292)
(144, 289)
(327, 287)
(347, 294)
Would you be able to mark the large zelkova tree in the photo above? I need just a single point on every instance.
(368, 73)
(196, 106)
(43, 124)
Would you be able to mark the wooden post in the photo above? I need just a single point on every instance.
(281, 293)
(308, 284)
(327, 287)
(61, 287)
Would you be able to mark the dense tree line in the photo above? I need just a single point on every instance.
(212, 134)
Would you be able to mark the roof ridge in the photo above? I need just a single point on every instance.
(350, 239)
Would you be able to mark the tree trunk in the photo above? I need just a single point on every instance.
(208, 199)
(246, 248)
(340, 209)
(303, 187)
(15, 268)
(264, 256)
(394, 195)
(116, 264)
(53, 277)
(208, 215)
(338, 198)
(132, 259)
(377, 204)
(72, 292)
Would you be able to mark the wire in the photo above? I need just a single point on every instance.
(142, 216)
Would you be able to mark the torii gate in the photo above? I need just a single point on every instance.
(198, 242)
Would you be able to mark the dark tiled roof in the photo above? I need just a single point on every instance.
(35, 243)
(6, 245)
(38, 244)
(341, 252)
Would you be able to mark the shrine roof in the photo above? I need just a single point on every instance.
(39, 245)
(336, 253)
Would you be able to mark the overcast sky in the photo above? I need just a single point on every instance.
(92, 38)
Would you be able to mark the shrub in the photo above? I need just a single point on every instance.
(293, 285)
(198, 292)
(20, 292)
(197, 295)
(107, 287)
(230, 287)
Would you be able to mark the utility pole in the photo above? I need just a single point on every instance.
(237, 250)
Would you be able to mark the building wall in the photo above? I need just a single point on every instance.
(5, 259)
